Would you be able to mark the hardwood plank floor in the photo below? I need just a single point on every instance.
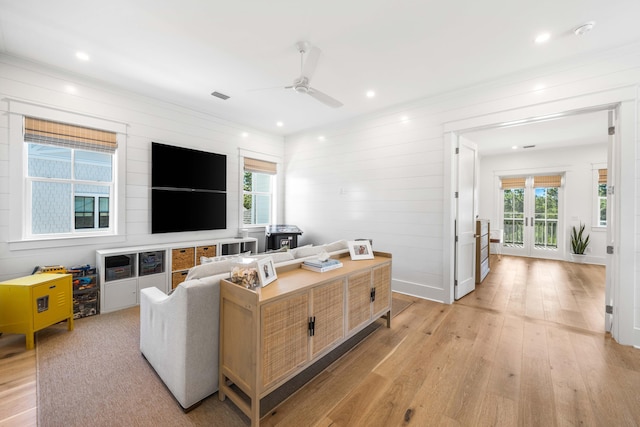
(527, 347)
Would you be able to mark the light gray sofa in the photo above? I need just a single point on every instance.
(179, 332)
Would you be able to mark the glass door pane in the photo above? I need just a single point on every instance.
(546, 218)
(513, 222)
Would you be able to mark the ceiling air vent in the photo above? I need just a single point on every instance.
(528, 146)
(220, 95)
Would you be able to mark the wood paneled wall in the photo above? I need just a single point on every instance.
(382, 176)
(147, 120)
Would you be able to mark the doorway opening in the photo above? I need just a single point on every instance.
(532, 215)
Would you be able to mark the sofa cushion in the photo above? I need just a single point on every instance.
(210, 269)
(205, 260)
(305, 251)
(276, 256)
(338, 245)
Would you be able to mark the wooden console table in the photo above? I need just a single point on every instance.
(270, 334)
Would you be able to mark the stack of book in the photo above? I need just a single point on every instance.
(321, 266)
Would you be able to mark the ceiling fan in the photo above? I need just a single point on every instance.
(302, 84)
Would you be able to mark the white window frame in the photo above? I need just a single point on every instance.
(275, 186)
(19, 234)
(595, 223)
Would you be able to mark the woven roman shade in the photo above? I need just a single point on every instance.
(547, 181)
(54, 133)
(602, 176)
(260, 166)
(511, 183)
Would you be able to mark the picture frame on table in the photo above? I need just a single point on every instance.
(360, 249)
(266, 271)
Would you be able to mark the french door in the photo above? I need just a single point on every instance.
(531, 216)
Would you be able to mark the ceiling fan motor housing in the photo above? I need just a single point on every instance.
(301, 85)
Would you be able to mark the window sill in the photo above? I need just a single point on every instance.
(23, 245)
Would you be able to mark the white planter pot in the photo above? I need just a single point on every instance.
(579, 258)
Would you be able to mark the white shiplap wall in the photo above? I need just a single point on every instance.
(383, 178)
(147, 120)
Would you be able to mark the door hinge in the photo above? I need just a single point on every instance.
(456, 238)
(455, 194)
(457, 150)
(373, 294)
(608, 309)
(312, 326)
(455, 282)
(612, 130)
(611, 190)
(609, 250)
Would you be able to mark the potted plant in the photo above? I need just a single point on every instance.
(579, 241)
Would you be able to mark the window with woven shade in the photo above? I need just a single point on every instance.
(69, 177)
(259, 182)
(601, 199)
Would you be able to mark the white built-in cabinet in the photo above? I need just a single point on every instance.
(123, 272)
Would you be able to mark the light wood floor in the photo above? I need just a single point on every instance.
(527, 347)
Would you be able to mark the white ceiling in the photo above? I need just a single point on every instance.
(181, 51)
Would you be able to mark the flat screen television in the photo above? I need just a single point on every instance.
(174, 211)
(178, 167)
(188, 189)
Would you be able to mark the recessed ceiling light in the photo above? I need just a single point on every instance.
(515, 147)
(542, 38)
(70, 89)
(244, 134)
(370, 94)
(584, 28)
(82, 56)
(539, 86)
(321, 138)
(279, 124)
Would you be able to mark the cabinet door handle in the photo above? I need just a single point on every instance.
(312, 326)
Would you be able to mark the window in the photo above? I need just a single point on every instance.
(69, 178)
(258, 191)
(601, 198)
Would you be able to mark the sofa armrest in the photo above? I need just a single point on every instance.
(152, 295)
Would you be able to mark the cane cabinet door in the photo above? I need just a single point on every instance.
(359, 297)
(285, 337)
(382, 287)
(327, 315)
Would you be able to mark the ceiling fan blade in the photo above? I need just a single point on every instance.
(311, 62)
(324, 98)
(266, 88)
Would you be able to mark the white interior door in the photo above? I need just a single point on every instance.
(610, 259)
(465, 219)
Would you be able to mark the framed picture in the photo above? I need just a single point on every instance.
(266, 271)
(360, 249)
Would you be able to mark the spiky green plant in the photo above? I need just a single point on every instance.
(579, 240)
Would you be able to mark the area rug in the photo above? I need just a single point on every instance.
(95, 375)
